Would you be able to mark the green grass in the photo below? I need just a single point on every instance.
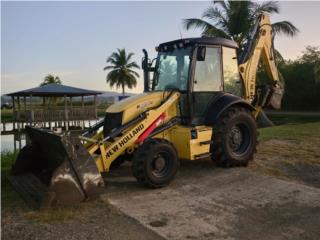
(9, 198)
(6, 115)
(291, 131)
(279, 118)
(7, 159)
(290, 152)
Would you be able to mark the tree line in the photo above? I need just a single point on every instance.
(302, 81)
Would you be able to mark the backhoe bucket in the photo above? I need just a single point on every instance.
(55, 170)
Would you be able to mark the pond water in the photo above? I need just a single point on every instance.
(8, 141)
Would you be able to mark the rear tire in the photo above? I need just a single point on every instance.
(155, 163)
(234, 138)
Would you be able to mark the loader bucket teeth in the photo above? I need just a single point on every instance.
(55, 170)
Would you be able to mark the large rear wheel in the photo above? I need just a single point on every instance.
(234, 138)
(155, 163)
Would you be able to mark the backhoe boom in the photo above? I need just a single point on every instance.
(261, 48)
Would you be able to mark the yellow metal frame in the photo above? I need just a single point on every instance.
(109, 151)
(187, 146)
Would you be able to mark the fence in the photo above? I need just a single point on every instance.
(55, 114)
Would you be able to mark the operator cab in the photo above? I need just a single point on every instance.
(200, 69)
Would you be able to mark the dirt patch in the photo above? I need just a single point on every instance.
(159, 223)
(95, 220)
(287, 221)
(290, 159)
(205, 202)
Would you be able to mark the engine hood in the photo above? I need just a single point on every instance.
(133, 106)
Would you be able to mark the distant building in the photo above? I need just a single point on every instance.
(26, 111)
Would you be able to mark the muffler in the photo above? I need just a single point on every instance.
(55, 170)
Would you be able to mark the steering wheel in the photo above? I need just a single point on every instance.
(171, 87)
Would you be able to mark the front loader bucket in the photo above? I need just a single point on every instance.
(55, 170)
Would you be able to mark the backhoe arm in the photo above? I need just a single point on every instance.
(260, 46)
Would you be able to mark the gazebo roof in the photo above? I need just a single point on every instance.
(55, 90)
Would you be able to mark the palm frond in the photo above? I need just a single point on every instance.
(222, 4)
(268, 6)
(114, 56)
(216, 15)
(133, 73)
(111, 67)
(50, 79)
(277, 56)
(133, 65)
(285, 27)
(212, 31)
(112, 61)
(195, 23)
(130, 55)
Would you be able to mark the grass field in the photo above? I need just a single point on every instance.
(290, 151)
(6, 115)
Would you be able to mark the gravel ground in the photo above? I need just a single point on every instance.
(96, 220)
(203, 202)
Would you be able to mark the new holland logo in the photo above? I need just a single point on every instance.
(124, 140)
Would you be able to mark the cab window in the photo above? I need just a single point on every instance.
(207, 77)
(231, 76)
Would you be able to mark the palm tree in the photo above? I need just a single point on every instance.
(121, 74)
(235, 19)
(49, 79)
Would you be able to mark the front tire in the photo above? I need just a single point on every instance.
(234, 138)
(155, 163)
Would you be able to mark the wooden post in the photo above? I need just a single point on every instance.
(19, 141)
(65, 113)
(82, 106)
(14, 143)
(95, 106)
(13, 113)
(18, 98)
(31, 111)
(27, 139)
(25, 108)
(70, 112)
(18, 113)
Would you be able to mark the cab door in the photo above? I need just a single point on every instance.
(206, 83)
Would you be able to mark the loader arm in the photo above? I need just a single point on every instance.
(130, 137)
(259, 46)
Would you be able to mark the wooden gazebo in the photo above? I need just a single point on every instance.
(27, 111)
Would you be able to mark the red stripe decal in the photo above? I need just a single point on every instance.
(153, 126)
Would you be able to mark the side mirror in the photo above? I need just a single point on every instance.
(201, 53)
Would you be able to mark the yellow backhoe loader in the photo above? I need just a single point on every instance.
(202, 102)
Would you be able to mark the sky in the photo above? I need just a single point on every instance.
(73, 39)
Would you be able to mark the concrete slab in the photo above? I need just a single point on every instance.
(205, 202)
